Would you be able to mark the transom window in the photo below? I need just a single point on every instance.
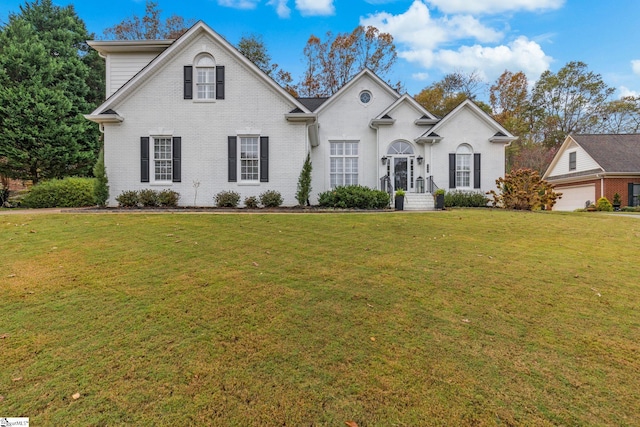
(400, 147)
(249, 158)
(463, 166)
(163, 167)
(344, 163)
(205, 77)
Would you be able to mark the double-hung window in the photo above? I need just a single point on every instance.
(162, 159)
(249, 158)
(463, 166)
(205, 78)
(344, 163)
(572, 161)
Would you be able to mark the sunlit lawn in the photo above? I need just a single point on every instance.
(470, 317)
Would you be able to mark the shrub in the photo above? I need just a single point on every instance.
(128, 199)
(465, 199)
(603, 204)
(69, 192)
(304, 182)
(100, 187)
(251, 202)
(523, 189)
(354, 197)
(271, 199)
(148, 198)
(227, 199)
(630, 209)
(168, 198)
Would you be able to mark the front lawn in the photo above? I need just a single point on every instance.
(470, 317)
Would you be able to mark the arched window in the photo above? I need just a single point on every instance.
(463, 166)
(205, 77)
(400, 147)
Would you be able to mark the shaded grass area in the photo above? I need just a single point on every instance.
(471, 317)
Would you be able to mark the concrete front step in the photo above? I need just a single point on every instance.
(419, 202)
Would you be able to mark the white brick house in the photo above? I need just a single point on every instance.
(196, 110)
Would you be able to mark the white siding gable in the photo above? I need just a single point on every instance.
(121, 67)
(584, 162)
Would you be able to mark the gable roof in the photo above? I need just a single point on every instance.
(312, 104)
(171, 51)
(353, 81)
(613, 152)
(421, 112)
(502, 135)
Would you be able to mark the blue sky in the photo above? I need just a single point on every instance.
(433, 37)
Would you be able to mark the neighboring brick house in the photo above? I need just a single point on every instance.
(196, 110)
(587, 167)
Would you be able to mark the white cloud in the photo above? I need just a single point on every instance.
(625, 91)
(239, 4)
(635, 65)
(282, 9)
(420, 76)
(427, 41)
(521, 54)
(315, 7)
(494, 6)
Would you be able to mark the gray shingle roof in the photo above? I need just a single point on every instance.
(614, 152)
(312, 103)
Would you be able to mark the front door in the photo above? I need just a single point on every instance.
(400, 170)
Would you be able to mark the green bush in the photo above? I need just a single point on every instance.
(69, 192)
(100, 185)
(465, 199)
(630, 209)
(603, 204)
(251, 202)
(227, 199)
(354, 197)
(271, 199)
(168, 198)
(148, 198)
(128, 199)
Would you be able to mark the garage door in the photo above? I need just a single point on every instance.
(575, 197)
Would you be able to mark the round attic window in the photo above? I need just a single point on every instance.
(365, 96)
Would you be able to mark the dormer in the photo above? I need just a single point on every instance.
(126, 58)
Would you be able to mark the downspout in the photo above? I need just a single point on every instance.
(377, 129)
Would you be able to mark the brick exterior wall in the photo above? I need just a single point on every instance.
(611, 186)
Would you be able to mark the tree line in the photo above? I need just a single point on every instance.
(49, 77)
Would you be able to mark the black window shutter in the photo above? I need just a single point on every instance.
(233, 156)
(476, 170)
(188, 82)
(220, 82)
(630, 193)
(144, 159)
(177, 159)
(452, 170)
(264, 159)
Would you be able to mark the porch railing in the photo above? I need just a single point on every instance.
(431, 185)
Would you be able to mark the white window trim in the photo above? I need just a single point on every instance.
(196, 84)
(239, 156)
(468, 153)
(343, 156)
(152, 165)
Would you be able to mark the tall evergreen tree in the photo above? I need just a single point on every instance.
(44, 91)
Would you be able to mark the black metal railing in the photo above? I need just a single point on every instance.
(431, 185)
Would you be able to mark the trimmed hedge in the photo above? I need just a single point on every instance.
(227, 199)
(354, 197)
(271, 199)
(71, 192)
(465, 199)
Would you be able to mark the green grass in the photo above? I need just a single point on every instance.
(469, 317)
